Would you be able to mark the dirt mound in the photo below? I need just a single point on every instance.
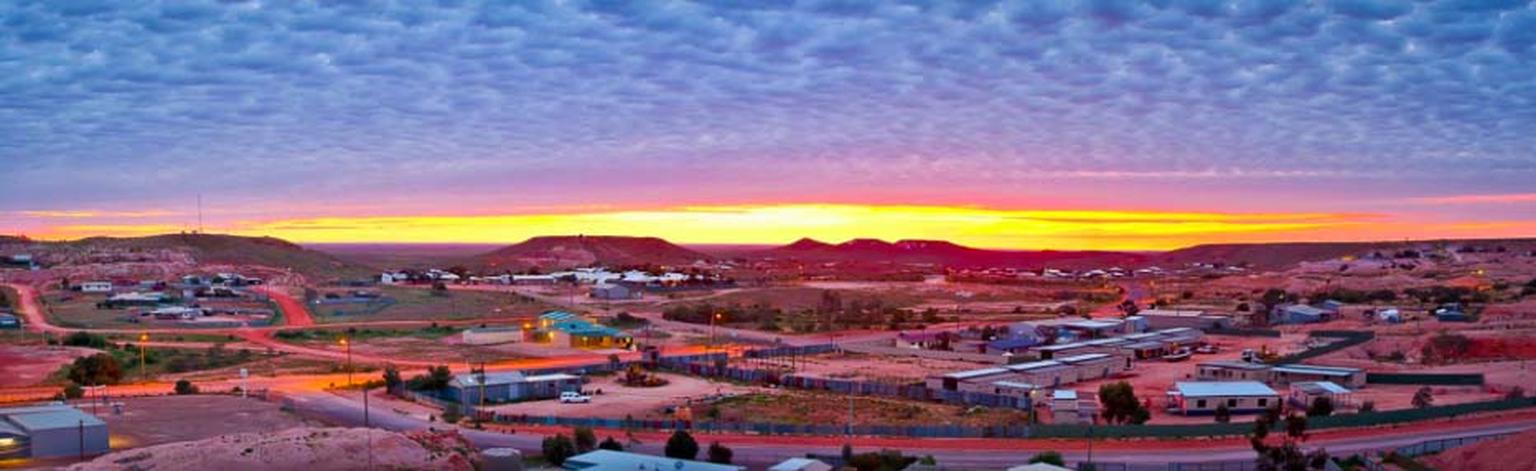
(944, 253)
(298, 448)
(580, 251)
(1513, 453)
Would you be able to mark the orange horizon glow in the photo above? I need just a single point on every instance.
(778, 224)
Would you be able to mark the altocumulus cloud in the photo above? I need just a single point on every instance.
(118, 99)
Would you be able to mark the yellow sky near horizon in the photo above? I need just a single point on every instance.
(777, 224)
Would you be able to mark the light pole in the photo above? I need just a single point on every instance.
(143, 337)
(712, 321)
(345, 342)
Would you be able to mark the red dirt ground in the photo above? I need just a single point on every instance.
(1513, 453)
(1502, 348)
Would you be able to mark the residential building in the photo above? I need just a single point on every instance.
(1296, 372)
(1171, 318)
(96, 287)
(609, 460)
(50, 431)
(1303, 394)
(1231, 370)
(614, 292)
(565, 328)
(1204, 397)
(510, 387)
(1300, 314)
(492, 335)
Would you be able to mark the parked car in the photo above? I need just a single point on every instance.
(1206, 349)
(573, 397)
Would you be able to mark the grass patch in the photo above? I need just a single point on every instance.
(425, 304)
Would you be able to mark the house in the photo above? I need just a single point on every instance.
(1204, 397)
(609, 460)
(533, 279)
(800, 464)
(565, 328)
(614, 292)
(1013, 346)
(1299, 314)
(96, 287)
(1094, 328)
(1173, 318)
(1296, 372)
(971, 379)
(1231, 370)
(922, 339)
(134, 299)
(510, 386)
(1304, 394)
(51, 431)
(1068, 407)
(492, 335)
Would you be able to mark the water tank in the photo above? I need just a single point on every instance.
(502, 459)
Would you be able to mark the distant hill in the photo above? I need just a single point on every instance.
(583, 250)
(225, 249)
(1280, 255)
(944, 253)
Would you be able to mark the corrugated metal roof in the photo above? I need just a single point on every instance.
(977, 373)
(1064, 395)
(1014, 384)
(53, 417)
(1236, 365)
(1321, 387)
(1223, 389)
(1083, 358)
(1317, 370)
(609, 460)
(1033, 366)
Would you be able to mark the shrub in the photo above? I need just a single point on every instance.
(557, 449)
(610, 444)
(97, 369)
(85, 339)
(720, 453)
(73, 391)
(681, 445)
(585, 439)
(1321, 407)
(1049, 457)
(1423, 398)
(452, 414)
(184, 387)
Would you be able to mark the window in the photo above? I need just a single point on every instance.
(1263, 402)
(1232, 403)
(1200, 404)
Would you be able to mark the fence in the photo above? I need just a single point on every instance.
(1245, 332)
(1439, 445)
(1348, 338)
(1440, 379)
(875, 349)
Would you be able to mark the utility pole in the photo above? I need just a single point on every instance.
(143, 337)
(346, 342)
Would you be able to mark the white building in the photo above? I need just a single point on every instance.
(1204, 397)
(96, 287)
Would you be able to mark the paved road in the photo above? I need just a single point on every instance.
(962, 453)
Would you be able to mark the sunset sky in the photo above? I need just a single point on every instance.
(1032, 124)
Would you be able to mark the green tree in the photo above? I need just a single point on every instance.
(681, 445)
(392, 380)
(184, 387)
(452, 414)
(73, 391)
(720, 453)
(585, 439)
(1049, 457)
(1321, 407)
(610, 444)
(1223, 414)
(1120, 404)
(97, 369)
(557, 449)
(85, 339)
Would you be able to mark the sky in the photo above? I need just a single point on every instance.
(1047, 124)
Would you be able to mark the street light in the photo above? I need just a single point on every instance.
(718, 316)
(143, 337)
(348, 344)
